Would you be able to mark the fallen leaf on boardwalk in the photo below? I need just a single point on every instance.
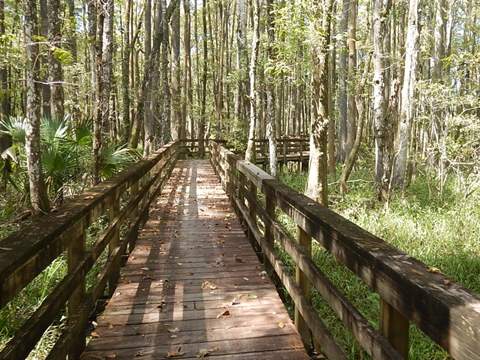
(110, 326)
(208, 285)
(205, 352)
(245, 278)
(145, 268)
(110, 356)
(173, 330)
(252, 296)
(235, 302)
(175, 353)
(225, 313)
(434, 270)
(281, 324)
(94, 334)
(173, 336)
(140, 353)
(238, 259)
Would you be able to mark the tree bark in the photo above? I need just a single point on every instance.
(45, 87)
(317, 186)
(187, 78)
(38, 194)
(4, 90)
(250, 153)
(55, 67)
(202, 120)
(342, 89)
(177, 123)
(271, 121)
(407, 105)
(125, 129)
(380, 13)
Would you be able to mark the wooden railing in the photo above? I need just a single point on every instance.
(124, 202)
(410, 292)
(288, 149)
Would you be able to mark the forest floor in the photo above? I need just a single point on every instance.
(442, 230)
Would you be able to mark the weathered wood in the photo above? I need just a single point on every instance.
(25, 253)
(319, 331)
(445, 311)
(193, 262)
(305, 243)
(104, 197)
(395, 327)
(75, 256)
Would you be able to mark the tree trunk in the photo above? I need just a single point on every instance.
(55, 67)
(125, 129)
(407, 106)
(177, 123)
(271, 131)
(250, 153)
(38, 194)
(241, 61)
(148, 110)
(4, 91)
(317, 186)
(187, 78)
(342, 89)
(352, 70)
(202, 120)
(380, 12)
(99, 94)
(45, 87)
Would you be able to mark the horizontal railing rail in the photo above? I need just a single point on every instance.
(409, 291)
(124, 201)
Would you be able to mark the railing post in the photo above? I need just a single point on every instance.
(395, 327)
(113, 212)
(75, 255)
(252, 190)
(269, 237)
(301, 155)
(305, 242)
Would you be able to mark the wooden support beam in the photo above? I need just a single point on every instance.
(75, 254)
(395, 327)
(305, 242)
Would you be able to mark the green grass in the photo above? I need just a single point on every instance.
(441, 230)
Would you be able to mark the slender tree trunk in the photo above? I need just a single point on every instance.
(4, 90)
(45, 87)
(360, 109)
(271, 131)
(99, 93)
(55, 67)
(317, 186)
(202, 121)
(380, 12)
(177, 123)
(241, 60)
(343, 77)
(148, 110)
(38, 194)
(125, 128)
(166, 95)
(407, 106)
(187, 78)
(352, 70)
(250, 153)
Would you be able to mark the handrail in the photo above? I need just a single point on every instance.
(410, 292)
(27, 252)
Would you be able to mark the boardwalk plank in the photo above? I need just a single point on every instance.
(194, 282)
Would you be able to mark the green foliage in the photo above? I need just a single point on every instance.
(64, 56)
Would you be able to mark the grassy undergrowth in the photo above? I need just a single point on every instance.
(442, 230)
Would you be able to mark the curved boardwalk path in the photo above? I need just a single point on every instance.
(193, 285)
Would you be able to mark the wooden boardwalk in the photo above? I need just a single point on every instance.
(193, 285)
